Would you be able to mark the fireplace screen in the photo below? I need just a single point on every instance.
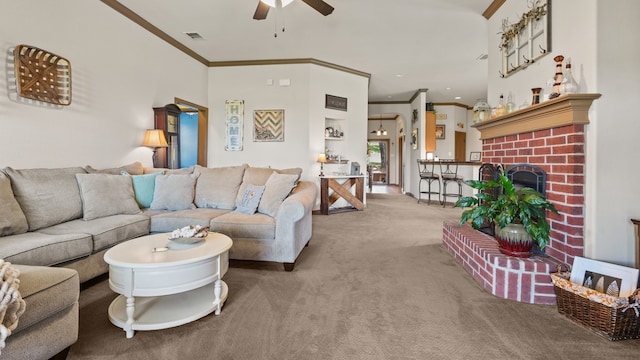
(527, 175)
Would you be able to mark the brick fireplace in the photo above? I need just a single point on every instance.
(549, 135)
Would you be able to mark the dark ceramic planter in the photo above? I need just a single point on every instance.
(514, 240)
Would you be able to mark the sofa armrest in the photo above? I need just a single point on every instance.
(298, 203)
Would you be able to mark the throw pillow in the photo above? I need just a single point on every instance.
(276, 190)
(47, 196)
(135, 168)
(12, 219)
(143, 187)
(250, 199)
(260, 175)
(174, 192)
(105, 195)
(217, 188)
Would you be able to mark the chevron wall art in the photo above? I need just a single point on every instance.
(268, 125)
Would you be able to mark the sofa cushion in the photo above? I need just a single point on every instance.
(276, 190)
(47, 196)
(183, 171)
(217, 188)
(106, 231)
(238, 225)
(174, 192)
(47, 291)
(105, 195)
(135, 168)
(36, 248)
(260, 175)
(170, 220)
(12, 219)
(143, 187)
(250, 199)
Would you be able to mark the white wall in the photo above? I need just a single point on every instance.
(601, 38)
(119, 73)
(303, 102)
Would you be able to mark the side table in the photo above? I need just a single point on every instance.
(341, 186)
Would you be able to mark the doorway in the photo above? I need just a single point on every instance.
(460, 145)
(198, 131)
(378, 161)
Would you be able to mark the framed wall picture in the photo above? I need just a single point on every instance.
(268, 125)
(475, 156)
(335, 102)
(611, 279)
(440, 131)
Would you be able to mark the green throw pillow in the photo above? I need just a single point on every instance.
(143, 187)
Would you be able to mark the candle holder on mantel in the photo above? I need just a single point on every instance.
(557, 79)
(536, 95)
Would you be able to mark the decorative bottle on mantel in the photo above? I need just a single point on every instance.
(501, 109)
(557, 79)
(481, 111)
(570, 86)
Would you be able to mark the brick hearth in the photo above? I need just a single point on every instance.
(549, 135)
(524, 280)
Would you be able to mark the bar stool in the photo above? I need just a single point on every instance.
(449, 174)
(427, 173)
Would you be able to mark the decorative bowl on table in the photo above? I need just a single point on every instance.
(189, 234)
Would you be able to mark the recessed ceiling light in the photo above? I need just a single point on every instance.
(448, 88)
(458, 97)
(399, 75)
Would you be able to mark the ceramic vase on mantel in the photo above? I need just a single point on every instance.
(514, 240)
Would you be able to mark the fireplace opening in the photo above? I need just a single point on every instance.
(521, 175)
(527, 175)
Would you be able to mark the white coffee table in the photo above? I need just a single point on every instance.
(165, 284)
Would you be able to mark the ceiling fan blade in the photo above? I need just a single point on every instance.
(261, 11)
(320, 6)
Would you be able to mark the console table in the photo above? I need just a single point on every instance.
(341, 186)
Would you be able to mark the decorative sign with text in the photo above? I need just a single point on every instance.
(234, 110)
(335, 102)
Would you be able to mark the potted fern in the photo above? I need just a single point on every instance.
(518, 215)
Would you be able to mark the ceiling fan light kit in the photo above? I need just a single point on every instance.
(263, 7)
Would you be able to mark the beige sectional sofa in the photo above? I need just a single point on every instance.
(69, 217)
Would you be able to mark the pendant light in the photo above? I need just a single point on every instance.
(381, 130)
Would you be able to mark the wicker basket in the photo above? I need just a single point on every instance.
(611, 317)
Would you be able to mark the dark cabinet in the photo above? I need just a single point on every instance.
(167, 118)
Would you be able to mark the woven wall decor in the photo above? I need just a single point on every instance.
(42, 76)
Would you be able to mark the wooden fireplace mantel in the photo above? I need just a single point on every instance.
(569, 109)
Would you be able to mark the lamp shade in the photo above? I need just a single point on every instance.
(154, 138)
(322, 158)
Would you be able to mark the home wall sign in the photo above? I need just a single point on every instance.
(42, 76)
(268, 125)
(527, 40)
(335, 102)
(234, 110)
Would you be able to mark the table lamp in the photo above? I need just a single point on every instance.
(322, 158)
(154, 138)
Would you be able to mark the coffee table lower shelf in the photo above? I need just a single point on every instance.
(162, 312)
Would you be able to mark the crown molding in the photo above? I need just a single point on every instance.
(492, 8)
(288, 62)
(126, 12)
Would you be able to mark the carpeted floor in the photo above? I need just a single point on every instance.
(374, 284)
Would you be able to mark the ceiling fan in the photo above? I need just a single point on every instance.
(263, 7)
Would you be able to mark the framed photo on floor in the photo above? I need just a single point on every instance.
(611, 279)
(475, 156)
